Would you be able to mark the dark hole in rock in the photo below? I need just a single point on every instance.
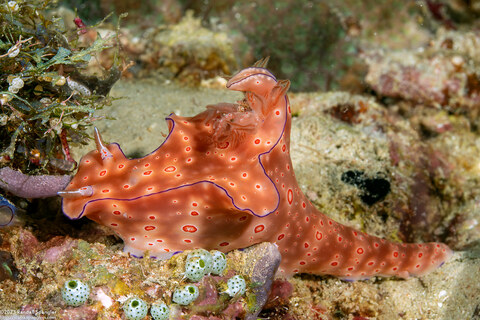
(373, 189)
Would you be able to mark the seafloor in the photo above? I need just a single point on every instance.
(399, 161)
(323, 148)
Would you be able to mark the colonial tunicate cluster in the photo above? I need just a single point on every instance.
(200, 262)
(236, 286)
(160, 311)
(186, 294)
(75, 292)
(135, 308)
(219, 262)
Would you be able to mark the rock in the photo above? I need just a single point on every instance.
(263, 260)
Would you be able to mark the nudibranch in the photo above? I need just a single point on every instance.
(224, 180)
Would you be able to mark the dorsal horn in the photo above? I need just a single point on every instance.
(104, 152)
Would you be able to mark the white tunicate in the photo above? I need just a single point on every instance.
(236, 286)
(185, 295)
(75, 292)
(135, 309)
(219, 262)
(195, 268)
(160, 311)
(202, 254)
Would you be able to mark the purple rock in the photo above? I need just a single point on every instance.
(26, 186)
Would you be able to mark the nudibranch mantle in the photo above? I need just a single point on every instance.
(224, 180)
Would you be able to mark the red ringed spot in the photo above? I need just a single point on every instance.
(147, 165)
(319, 235)
(150, 244)
(170, 169)
(259, 228)
(370, 263)
(189, 228)
(420, 255)
(395, 254)
(306, 245)
(277, 113)
(257, 186)
(149, 188)
(334, 264)
(102, 173)
(185, 138)
(117, 212)
(355, 233)
(113, 224)
(394, 268)
(244, 175)
(339, 239)
(330, 222)
(350, 269)
(417, 266)
(376, 244)
(188, 241)
(87, 161)
(360, 250)
(194, 213)
(120, 166)
(105, 190)
(126, 186)
(233, 159)
(188, 149)
(257, 141)
(85, 178)
(304, 205)
(224, 145)
(147, 173)
(290, 196)
(244, 198)
(133, 239)
(194, 204)
(189, 160)
(280, 237)
(224, 244)
(307, 219)
(166, 250)
(149, 228)
(284, 147)
(152, 217)
(159, 240)
(302, 263)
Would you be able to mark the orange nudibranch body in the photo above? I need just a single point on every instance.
(223, 180)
